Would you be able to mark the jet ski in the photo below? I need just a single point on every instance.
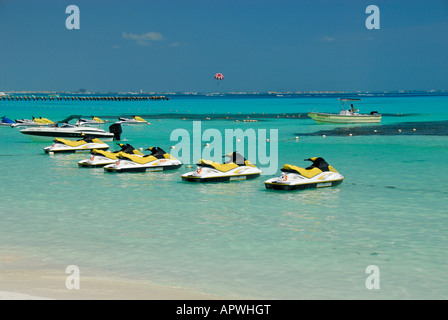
(236, 168)
(158, 160)
(85, 144)
(101, 158)
(36, 122)
(6, 121)
(87, 122)
(320, 174)
(25, 123)
(133, 120)
(43, 121)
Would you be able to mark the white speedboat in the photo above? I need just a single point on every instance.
(237, 168)
(72, 132)
(346, 114)
(85, 144)
(319, 175)
(158, 160)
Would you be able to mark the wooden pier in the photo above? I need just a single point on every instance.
(81, 98)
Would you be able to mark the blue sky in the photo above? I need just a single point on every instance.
(178, 45)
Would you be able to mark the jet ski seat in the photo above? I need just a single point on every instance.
(136, 159)
(307, 173)
(137, 118)
(125, 148)
(77, 143)
(223, 167)
(107, 154)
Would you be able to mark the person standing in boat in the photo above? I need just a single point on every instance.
(352, 109)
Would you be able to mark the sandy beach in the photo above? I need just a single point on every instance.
(37, 281)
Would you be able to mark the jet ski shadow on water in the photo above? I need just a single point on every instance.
(158, 160)
(86, 144)
(320, 174)
(237, 168)
(101, 158)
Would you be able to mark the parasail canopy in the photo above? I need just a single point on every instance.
(219, 76)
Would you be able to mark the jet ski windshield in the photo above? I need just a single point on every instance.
(235, 157)
(157, 152)
(319, 163)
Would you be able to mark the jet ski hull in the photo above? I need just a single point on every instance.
(60, 149)
(211, 174)
(191, 178)
(158, 164)
(302, 186)
(114, 169)
(97, 163)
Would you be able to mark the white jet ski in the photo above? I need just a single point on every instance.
(158, 160)
(101, 158)
(320, 174)
(237, 168)
(36, 122)
(95, 121)
(85, 144)
(133, 120)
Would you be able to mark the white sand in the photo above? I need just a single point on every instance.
(19, 281)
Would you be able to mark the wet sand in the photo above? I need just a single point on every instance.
(37, 281)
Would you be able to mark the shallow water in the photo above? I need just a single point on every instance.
(239, 240)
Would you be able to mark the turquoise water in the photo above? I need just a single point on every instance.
(239, 240)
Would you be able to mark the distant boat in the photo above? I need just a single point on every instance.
(346, 114)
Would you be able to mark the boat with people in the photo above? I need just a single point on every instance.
(101, 158)
(158, 160)
(347, 114)
(86, 144)
(234, 169)
(319, 175)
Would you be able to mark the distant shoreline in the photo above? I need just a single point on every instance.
(87, 96)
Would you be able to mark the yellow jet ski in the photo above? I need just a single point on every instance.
(86, 144)
(320, 174)
(237, 168)
(101, 158)
(158, 160)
